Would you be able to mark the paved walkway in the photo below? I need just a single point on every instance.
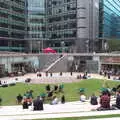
(56, 78)
(70, 109)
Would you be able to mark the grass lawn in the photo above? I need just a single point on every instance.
(71, 92)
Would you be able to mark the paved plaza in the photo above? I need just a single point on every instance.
(56, 78)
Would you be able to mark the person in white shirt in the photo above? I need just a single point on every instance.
(54, 101)
(82, 98)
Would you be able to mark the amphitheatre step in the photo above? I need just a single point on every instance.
(69, 109)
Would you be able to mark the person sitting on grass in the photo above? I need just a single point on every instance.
(104, 101)
(55, 88)
(93, 100)
(38, 104)
(82, 97)
(63, 99)
(29, 101)
(117, 104)
(54, 101)
(61, 88)
(50, 94)
(48, 88)
(43, 95)
(84, 76)
(19, 99)
(25, 103)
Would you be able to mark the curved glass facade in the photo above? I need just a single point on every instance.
(109, 27)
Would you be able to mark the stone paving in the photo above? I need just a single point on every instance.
(70, 109)
(56, 78)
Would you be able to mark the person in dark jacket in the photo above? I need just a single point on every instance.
(38, 104)
(24, 103)
(19, 99)
(48, 88)
(63, 99)
(93, 100)
(117, 104)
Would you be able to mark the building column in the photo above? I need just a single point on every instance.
(97, 58)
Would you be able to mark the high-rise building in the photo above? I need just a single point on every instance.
(12, 25)
(72, 25)
(109, 21)
(64, 25)
(36, 24)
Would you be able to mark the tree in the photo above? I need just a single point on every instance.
(114, 45)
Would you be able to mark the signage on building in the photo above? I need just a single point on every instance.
(108, 60)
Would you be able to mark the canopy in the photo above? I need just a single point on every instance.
(49, 50)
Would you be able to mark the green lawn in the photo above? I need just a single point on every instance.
(9, 94)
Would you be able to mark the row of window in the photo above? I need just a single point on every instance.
(6, 4)
(69, 25)
(20, 2)
(42, 35)
(58, 2)
(13, 34)
(12, 26)
(58, 44)
(36, 20)
(65, 34)
(62, 18)
(61, 9)
(36, 28)
(18, 10)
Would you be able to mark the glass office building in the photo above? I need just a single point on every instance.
(109, 24)
(70, 25)
(61, 24)
(36, 24)
(12, 25)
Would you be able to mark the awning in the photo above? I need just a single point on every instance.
(49, 50)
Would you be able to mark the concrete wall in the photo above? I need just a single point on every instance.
(37, 62)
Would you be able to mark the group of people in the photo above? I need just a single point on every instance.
(56, 89)
(105, 99)
(51, 94)
(27, 100)
(52, 91)
(109, 73)
(39, 74)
